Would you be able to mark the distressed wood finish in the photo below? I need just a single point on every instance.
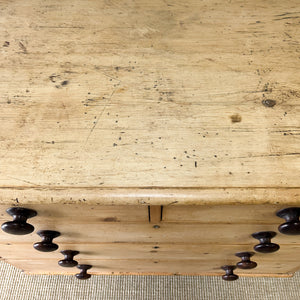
(155, 267)
(222, 253)
(226, 214)
(145, 233)
(139, 94)
(149, 196)
(112, 109)
(82, 214)
(155, 213)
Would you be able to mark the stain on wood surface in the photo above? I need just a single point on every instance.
(163, 78)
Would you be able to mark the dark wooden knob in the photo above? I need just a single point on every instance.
(265, 245)
(19, 226)
(83, 274)
(292, 225)
(229, 276)
(68, 261)
(46, 244)
(245, 262)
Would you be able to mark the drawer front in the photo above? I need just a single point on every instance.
(72, 213)
(232, 214)
(161, 251)
(192, 233)
(142, 240)
(159, 267)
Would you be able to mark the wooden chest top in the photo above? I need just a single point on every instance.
(155, 102)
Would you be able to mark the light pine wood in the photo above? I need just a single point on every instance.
(81, 214)
(108, 107)
(223, 253)
(148, 94)
(155, 267)
(144, 233)
(230, 214)
(155, 213)
(149, 196)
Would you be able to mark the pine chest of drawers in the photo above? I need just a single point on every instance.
(150, 137)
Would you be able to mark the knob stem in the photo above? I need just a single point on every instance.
(245, 262)
(229, 275)
(68, 261)
(46, 245)
(83, 273)
(265, 245)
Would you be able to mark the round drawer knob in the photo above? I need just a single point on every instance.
(46, 244)
(265, 245)
(245, 262)
(229, 276)
(68, 261)
(292, 225)
(18, 225)
(83, 274)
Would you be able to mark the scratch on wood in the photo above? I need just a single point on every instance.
(285, 18)
(111, 77)
(101, 113)
(171, 203)
(22, 180)
(23, 48)
(288, 35)
(268, 155)
(287, 13)
(61, 27)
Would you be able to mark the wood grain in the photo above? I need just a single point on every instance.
(218, 214)
(223, 253)
(154, 267)
(149, 196)
(82, 214)
(201, 214)
(155, 213)
(150, 103)
(139, 94)
(111, 232)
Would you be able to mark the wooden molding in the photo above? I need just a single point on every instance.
(149, 196)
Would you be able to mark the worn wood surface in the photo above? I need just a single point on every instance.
(82, 214)
(155, 213)
(155, 267)
(144, 233)
(150, 103)
(149, 196)
(223, 253)
(223, 214)
(118, 94)
(129, 239)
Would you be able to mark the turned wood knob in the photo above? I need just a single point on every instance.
(83, 274)
(68, 261)
(18, 225)
(245, 262)
(292, 225)
(229, 276)
(46, 244)
(265, 245)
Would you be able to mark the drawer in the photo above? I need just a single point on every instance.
(159, 267)
(232, 214)
(143, 240)
(162, 251)
(72, 213)
(192, 233)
